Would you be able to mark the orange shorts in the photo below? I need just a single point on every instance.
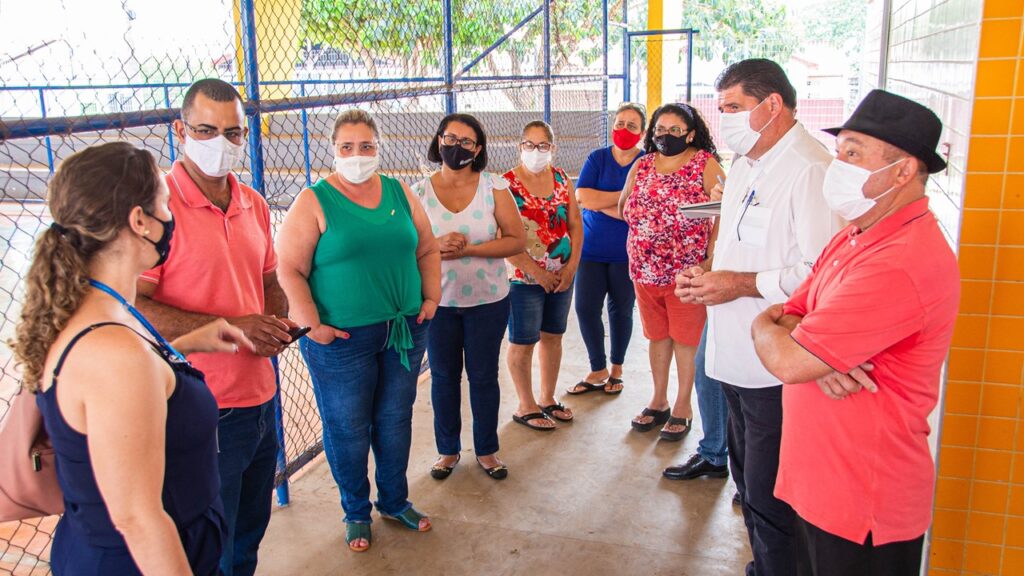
(664, 316)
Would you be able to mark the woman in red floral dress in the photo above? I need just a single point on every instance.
(541, 277)
(681, 168)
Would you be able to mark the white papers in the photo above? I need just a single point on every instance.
(702, 210)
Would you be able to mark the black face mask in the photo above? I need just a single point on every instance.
(163, 244)
(670, 145)
(456, 157)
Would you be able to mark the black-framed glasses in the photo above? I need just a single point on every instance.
(204, 132)
(452, 140)
(675, 131)
(530, 146)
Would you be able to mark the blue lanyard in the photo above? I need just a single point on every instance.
(138, 316)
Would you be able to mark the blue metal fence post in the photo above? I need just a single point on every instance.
(626, 57)
(49, 144)
(689, 65)
(604, 83)
(625, 51)
(247, 12)
(170, 131)
(305, 136)
(283, 498)
(547, 61)
(449, 57)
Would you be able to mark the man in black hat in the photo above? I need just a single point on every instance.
(861, 345)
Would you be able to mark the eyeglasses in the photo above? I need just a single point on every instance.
(633, 104)
(631, 126)
(675, 131)
(452, 140)
(234, 135)
(530, 146)
(349, 148)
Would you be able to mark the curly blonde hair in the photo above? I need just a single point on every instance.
(90, 198)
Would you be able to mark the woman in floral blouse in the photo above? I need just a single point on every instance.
(681, 168)
(541, 277)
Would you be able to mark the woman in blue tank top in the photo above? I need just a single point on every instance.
(133, 425)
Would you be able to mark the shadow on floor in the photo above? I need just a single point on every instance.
(587, 499)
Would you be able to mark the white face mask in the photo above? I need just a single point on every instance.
(535, 160)
(844, 188)
(214, 157)
(736, 131)
(356, 169)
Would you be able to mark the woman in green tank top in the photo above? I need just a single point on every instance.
(360, 266)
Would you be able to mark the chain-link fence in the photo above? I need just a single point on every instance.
(103, 70)
(117, 69)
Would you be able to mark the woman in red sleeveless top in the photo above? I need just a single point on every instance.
(680, 169)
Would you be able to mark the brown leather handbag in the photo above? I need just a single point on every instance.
(28, 473)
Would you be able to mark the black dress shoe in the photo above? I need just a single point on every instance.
(737, 500)
(695, 467)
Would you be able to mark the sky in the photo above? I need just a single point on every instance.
(85, 29)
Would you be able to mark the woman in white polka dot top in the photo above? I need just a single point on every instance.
(467, 208)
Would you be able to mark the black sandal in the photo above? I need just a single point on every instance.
(438, 472)
(525, 420)
(613, 382)
(551, 409)
(586, 387)
(499, 472)
(676, 436)
(659, 417)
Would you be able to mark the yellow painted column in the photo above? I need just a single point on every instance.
(277, 28)
(979, 499)
(655, 21)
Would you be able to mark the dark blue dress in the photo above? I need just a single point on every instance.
(86, 542)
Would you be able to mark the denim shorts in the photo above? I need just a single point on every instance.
(535, 311)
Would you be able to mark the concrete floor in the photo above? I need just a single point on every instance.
(587, 499)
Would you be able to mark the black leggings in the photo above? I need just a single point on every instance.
(594, 281)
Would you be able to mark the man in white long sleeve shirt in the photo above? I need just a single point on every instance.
(774, 224)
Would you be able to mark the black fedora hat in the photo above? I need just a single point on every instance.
(903, 123)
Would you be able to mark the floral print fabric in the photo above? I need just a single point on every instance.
(546, 221)
(662, 241)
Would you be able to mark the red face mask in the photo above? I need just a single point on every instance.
(625, 139)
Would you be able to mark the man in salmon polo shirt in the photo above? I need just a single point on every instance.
(222, 264)
(861, 345)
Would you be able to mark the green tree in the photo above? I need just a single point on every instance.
(838, 23)
(410, 32)
(738, 29)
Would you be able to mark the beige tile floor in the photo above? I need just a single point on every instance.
(587, 499)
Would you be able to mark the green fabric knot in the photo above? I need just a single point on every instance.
(400, 339)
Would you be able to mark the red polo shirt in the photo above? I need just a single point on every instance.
(887, 295)
(216, 266)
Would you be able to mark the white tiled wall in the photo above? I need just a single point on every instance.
(933, 50)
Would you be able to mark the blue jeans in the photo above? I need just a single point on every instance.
(534, 311)
(470, 336)
(714, 411)
(594, 281)
(247, 458)
(365, 397)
